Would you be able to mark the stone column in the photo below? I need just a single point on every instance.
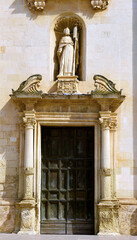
(27, 205)
(105, 170)
(108, 206)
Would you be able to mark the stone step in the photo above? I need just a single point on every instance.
(63, 237)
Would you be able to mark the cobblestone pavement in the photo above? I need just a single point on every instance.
(63, 237)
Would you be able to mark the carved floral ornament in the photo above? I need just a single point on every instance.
(40, 5)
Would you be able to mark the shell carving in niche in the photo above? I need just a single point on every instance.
(67, 22)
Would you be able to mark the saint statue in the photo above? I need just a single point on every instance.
(68, 53)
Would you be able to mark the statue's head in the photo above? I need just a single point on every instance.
(66, 31)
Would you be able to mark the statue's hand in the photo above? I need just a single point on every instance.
(59, 52)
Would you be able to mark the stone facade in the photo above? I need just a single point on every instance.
(28, 42)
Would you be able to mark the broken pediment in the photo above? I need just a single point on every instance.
(105, 95)
(29, 86)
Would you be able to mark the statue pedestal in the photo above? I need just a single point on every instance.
(67, 84)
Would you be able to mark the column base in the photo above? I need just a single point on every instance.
(27, 214)
(108, 217)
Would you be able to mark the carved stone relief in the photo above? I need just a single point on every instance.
(36, 5)
(99, 4)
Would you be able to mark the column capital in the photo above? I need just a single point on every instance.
(29, 122)
(105, 123)
(29, 119)
(114, 122)
(108, 120)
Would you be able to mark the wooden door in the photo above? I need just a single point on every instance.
(67, 187)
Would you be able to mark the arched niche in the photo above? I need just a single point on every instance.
(68, 20)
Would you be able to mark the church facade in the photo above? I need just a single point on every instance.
(68, 117)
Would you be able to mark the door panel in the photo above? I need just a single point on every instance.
(67, 195)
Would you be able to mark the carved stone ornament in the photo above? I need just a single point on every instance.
(105, 172)
(29, 122)
(36, 5)
(99, 4)
(104, 86)
(30, 86)
(67, 86)
(105, 122)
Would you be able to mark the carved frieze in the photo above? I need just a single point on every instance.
(99, 4)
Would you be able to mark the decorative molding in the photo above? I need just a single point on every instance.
(104, 86)
(36, 5)
(29, 86)
(100, 4)
(105, 172)
(29, 171)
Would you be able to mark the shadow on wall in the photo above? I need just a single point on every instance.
(9, 158)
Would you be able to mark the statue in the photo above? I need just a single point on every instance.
(68, 53)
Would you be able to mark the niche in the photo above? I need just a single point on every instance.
(70, 21)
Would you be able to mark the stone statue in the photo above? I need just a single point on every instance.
(68, 53)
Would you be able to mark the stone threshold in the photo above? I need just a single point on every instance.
(64, 237)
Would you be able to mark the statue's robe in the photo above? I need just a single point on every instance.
(66, 56)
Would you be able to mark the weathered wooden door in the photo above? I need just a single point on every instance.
(67, 187)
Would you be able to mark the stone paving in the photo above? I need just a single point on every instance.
(63, 237)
